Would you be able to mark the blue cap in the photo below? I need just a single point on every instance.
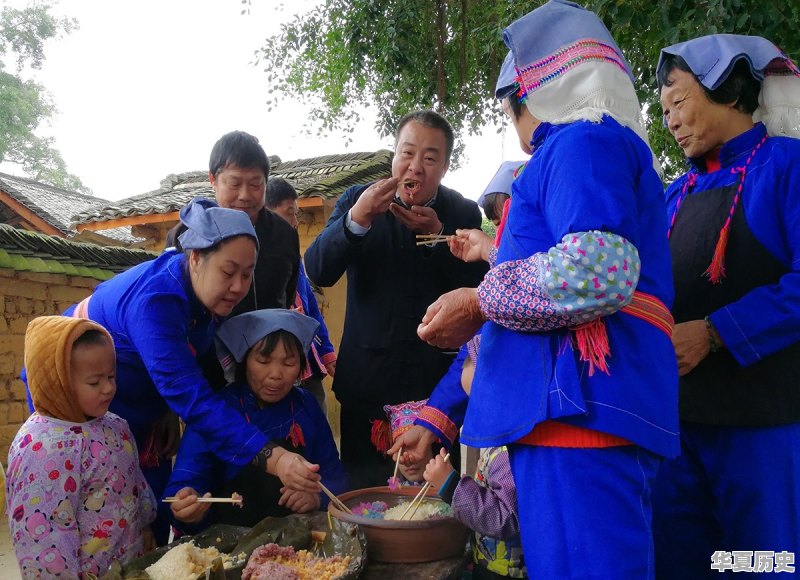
(712, 58)
(208, 224)
(502, 180)
(507, 80)
(241, 333)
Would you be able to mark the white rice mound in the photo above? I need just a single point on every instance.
(426, 510)
(186, 561)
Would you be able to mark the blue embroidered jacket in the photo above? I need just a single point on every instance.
(159, 327)
(582, 177)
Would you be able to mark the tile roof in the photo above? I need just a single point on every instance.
(56, 206)
(28, 251)
(326, 177)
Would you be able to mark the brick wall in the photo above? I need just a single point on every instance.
(24, 296)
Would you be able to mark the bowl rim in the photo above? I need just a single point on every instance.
(408, 491)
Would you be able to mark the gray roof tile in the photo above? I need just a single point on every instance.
(326, 177)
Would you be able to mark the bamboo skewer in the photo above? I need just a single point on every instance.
(420, 497)
(335, 500)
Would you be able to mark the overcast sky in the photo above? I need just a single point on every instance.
(145, 88)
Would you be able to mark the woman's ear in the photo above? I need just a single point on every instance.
(194, 260)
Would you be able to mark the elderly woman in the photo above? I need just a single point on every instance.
(162, 315)
(576, 373)
(735, 243)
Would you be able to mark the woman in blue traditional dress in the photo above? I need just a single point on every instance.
(577, 374)
(162, 315)
(730, 501)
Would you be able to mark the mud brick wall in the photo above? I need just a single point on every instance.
(24, 296)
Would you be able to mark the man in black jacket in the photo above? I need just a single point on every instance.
(238, 172)
(390, 282)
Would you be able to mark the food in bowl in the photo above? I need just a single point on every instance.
(380, 510)
(274, 562)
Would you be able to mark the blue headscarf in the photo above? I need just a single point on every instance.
(502, 180)
(568, 68)
(554, 38)
(712, 58)
(241, 333)
(208, 224)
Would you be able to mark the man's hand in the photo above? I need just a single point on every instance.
(375, 200)
(294, 471)
(452, 320)
(438, 470)
(415, 443)
(419, 219)
(692, 344)
(471, 245)
(300, 502)
(187, 509)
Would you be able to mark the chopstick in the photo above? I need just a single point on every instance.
(425, 239)
(411, 503)
(397, 463)
(173, 499)
(420, 497)
(335, 500)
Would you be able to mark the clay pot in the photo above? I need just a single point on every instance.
(404, 542)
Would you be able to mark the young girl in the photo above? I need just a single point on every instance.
(487, 503)
(77, 499)
(400, 419)
(269, 347)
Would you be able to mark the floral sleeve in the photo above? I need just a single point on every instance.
(585, 276)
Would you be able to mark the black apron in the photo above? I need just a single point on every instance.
(719, 391)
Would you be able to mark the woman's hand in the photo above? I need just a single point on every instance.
(300, 502)
(415, 443)
(187, 509)
(692, 344)
(471, 245)
(438, 470)
(294, 471)
(452, 320)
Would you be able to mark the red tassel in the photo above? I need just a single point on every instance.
(592, 342)
(296, 435)
(381, 435)
(716, 271)
(148, 457)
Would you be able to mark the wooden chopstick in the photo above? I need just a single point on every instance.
(436, 241)
(416, 497)
(420, 497)
(397, 463)
(433, 236)
(173, 499)
(335, 500)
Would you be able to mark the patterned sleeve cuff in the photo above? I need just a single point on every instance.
(328, 358)
(438, 422)
(586, 276)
